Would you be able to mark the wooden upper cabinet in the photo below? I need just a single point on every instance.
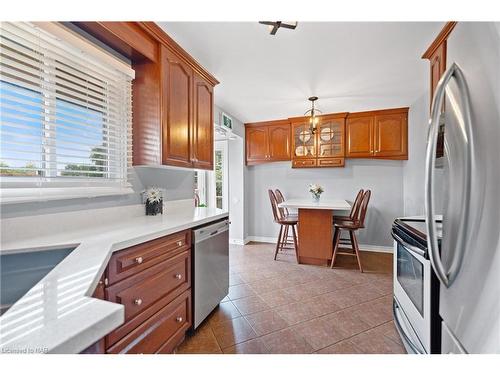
(379, 134)
(203, 124)
(257, 144)
(391, 135)
(359, 136)
(177, 105)
(267, 142)
(279, 142)
(330, 142)
(303, 140)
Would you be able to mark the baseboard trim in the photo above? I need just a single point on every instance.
(362, 247)
(234, 241)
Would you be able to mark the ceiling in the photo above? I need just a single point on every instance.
(350, 66)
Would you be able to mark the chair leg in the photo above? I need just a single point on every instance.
(336, 237)
(356, 249)
(351, 237)
(285, 237)
(294, 233)
(278, 242)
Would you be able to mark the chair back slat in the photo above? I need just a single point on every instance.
(274, 206)
(280, 199)
(355, 206)
(364, 208)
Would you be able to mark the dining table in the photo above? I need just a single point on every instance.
(315, 227)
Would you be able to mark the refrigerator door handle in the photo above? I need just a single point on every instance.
(448, 276)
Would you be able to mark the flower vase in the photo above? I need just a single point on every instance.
(315, 198)
(154, 208)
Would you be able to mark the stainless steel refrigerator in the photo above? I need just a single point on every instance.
(468, 262)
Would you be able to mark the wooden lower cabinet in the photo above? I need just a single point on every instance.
(162, 332)
(152, 281)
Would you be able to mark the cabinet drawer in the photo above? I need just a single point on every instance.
(138, 292)
(303, 163)
(161, 329)
(333, 162)
(135, 259)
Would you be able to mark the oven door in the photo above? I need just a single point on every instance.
(412, 289)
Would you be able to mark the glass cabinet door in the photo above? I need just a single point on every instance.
(303, 141)
(331, 139)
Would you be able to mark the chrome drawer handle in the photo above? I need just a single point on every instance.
(138, 260)
(138, 302)
(179, 243)
(178, 276)
(179, 319)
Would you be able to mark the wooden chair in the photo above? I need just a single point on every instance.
(354, 209)
(285, 223)
(280, 198)
(352, 226)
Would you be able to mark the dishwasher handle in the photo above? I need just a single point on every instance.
(209, 231)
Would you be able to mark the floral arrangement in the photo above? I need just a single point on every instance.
(153, 197)
(316, 191)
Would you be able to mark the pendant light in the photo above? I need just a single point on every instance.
(313, 115)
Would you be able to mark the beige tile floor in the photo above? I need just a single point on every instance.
(282, 307)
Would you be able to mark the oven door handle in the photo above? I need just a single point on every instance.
(402, 332)
(412, 248)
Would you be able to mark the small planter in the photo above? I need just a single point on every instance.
(154, 208)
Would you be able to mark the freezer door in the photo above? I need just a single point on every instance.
(470, 300)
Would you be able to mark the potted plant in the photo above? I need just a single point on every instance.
(316, 191)
(153, 198)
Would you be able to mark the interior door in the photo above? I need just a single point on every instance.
(176, 110)
(391, 139)
(359, 137)
(203, 126)
(279, 142)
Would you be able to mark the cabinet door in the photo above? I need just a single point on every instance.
(438, 66)
(203, 128)
(176, 110)
(303, 141)
(331, 138)
(391, 136)
(279, 142)
(359, 132)
(257, 144)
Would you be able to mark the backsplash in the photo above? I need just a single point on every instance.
(176, 184)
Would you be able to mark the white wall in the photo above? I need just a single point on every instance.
(383, 177)
(414, 167)
(236, 204)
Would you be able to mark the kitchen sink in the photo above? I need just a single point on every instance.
(19, 272)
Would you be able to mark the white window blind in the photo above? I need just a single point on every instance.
(65, 114)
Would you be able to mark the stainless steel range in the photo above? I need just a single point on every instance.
(416, 288)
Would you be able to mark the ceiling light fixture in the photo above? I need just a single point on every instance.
(313, 115)
(275, 25)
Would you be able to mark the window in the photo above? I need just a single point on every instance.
(65, 114)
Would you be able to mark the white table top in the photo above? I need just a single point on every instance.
(323, 204)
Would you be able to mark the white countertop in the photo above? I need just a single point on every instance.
(58, 315)
(323, 204)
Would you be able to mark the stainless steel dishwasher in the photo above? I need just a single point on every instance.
(211, 268)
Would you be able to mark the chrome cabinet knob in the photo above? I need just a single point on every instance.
(138, 302)
(178, 276)
(179, 243)
(179, 319)
(138, 260)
